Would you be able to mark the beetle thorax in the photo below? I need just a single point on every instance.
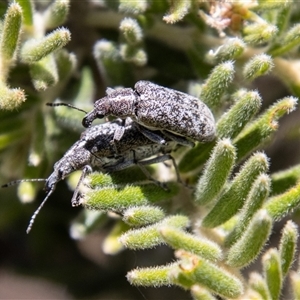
(122, 102)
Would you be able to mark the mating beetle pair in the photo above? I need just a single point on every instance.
(163, 119)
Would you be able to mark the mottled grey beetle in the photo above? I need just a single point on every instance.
(157, 108)
(96, 150)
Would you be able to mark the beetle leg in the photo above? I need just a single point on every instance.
(178, 139)
(75, 201)
(151, 135)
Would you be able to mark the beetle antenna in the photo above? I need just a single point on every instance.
(65, 104)
(39, 209)
(20, 181)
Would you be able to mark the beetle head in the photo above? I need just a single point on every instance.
(119, 103)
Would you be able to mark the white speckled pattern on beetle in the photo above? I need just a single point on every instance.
(158, 108)
(97, 150)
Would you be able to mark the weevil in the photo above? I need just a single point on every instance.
(157, 108)
(96, 151)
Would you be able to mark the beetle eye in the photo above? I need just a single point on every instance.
(60, 173)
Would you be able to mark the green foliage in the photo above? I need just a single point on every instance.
(259, 65)
(288, 244)
(11, 32)
(273, 273)
(35, 50)
(222, 219)
(179, 239)
(255, 198)
(143, 215)
(247, 248)
(150, 236)
(234, 197)
(217, 169)
(192, 269)
(217, 83)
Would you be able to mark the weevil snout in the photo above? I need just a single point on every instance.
(90, 117)
(86, 122)
(52, 180)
